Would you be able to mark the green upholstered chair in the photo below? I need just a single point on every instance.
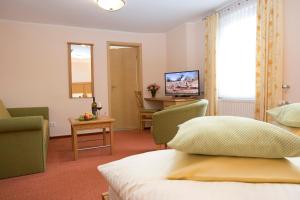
(165, 122)
(24, 136)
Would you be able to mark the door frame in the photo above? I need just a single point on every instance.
(139, 66)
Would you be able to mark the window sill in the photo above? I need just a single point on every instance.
(237, 100)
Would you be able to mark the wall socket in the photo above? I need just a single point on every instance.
(52, 124)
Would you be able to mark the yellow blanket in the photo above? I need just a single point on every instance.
(235, 169)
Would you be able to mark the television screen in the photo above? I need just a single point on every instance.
(185, 83)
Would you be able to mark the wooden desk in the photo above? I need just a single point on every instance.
(169, 101)
(103, 122)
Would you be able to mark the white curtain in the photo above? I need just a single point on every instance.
(236, 51)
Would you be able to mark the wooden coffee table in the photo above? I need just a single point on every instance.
(103, 122)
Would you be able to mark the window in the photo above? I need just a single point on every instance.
(236, 51)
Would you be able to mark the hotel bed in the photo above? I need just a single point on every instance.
(215, 158)
(143, 177)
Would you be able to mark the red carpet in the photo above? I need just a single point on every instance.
(72, 180)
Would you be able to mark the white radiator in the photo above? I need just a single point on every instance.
(242, 108)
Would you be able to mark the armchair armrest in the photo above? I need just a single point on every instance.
(21, 124)
(30, 111)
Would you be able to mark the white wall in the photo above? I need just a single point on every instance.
(195, 45)
(185, 48)
(195, 48)
(177, 48)
(34, 66)
(292, 48)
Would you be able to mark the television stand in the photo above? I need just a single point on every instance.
(170, 101)
(182, 96)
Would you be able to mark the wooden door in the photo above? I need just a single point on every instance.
(124, 81)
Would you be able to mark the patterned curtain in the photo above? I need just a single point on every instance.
(210, 90)
(269, 63)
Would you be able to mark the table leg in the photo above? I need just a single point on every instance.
(72, 140)
(104, 136)
(75, 144)
(111, 139)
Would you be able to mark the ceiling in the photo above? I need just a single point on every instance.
(145, 16)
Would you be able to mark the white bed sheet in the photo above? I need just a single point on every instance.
(112, 194)
(142, 177)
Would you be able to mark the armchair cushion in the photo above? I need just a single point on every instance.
(13, 124)
(288, 115)
(3, 111)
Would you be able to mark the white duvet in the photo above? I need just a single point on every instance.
(142, 177)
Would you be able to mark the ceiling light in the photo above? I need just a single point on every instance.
(111, 5)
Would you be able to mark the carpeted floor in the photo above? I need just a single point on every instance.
(66, 179)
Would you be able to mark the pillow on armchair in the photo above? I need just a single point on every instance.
(3, 111)
(288, 115)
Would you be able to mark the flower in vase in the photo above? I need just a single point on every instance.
(153, 89)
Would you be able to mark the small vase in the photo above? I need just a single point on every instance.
(153, 93)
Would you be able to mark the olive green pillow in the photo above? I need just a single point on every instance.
(288, 115)
(235, 136)
(3, 111)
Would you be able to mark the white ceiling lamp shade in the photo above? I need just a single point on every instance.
(111, 5)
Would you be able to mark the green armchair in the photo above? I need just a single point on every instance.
(165, 122)
(23, 141)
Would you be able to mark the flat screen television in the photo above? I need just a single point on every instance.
(184, 83)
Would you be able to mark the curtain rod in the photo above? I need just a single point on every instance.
(229, 5)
